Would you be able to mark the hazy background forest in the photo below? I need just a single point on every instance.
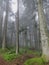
(23, 27)
(28, 18)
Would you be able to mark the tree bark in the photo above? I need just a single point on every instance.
(17, 29)
(5, 26)
(43, 31)
(1, 20)
(35, 34)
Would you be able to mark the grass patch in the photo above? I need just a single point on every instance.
(35, 61)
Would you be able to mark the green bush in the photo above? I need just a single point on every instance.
(35, 61)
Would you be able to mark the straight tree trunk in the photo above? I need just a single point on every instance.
(5, 26)
(12, 38)
(17, 29)
(24, 41)
(30, 38)
(1, 20)
(43, 31)
(35, 34)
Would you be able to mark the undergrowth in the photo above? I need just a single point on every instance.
(9, 54)
(35, 61)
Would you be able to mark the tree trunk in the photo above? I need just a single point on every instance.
(30, 38)
(35, 34)
(43, 31)
(12, 38)
(5, 26)
(24, 41)
(1, 20)
(17, 29)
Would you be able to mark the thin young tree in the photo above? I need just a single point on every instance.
(17, 28)
(12, 32)
(1, 20)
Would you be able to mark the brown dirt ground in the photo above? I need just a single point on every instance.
(22, 59)
(3, 62)
(47, 63)
(18, 61)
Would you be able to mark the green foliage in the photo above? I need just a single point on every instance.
(28, 51)
(9, 57)
(9, 54)
(35, 61)
(34, 52)
(3, 51)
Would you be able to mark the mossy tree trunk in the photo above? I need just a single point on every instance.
(43, 30)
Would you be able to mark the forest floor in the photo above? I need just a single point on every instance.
(17, 61)
(3, 62)
(47, 63)
(20, 60)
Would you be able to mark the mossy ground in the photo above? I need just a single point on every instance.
(9, 55)
(35, 61)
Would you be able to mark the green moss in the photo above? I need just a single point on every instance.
(43, 57)
(35, 61)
